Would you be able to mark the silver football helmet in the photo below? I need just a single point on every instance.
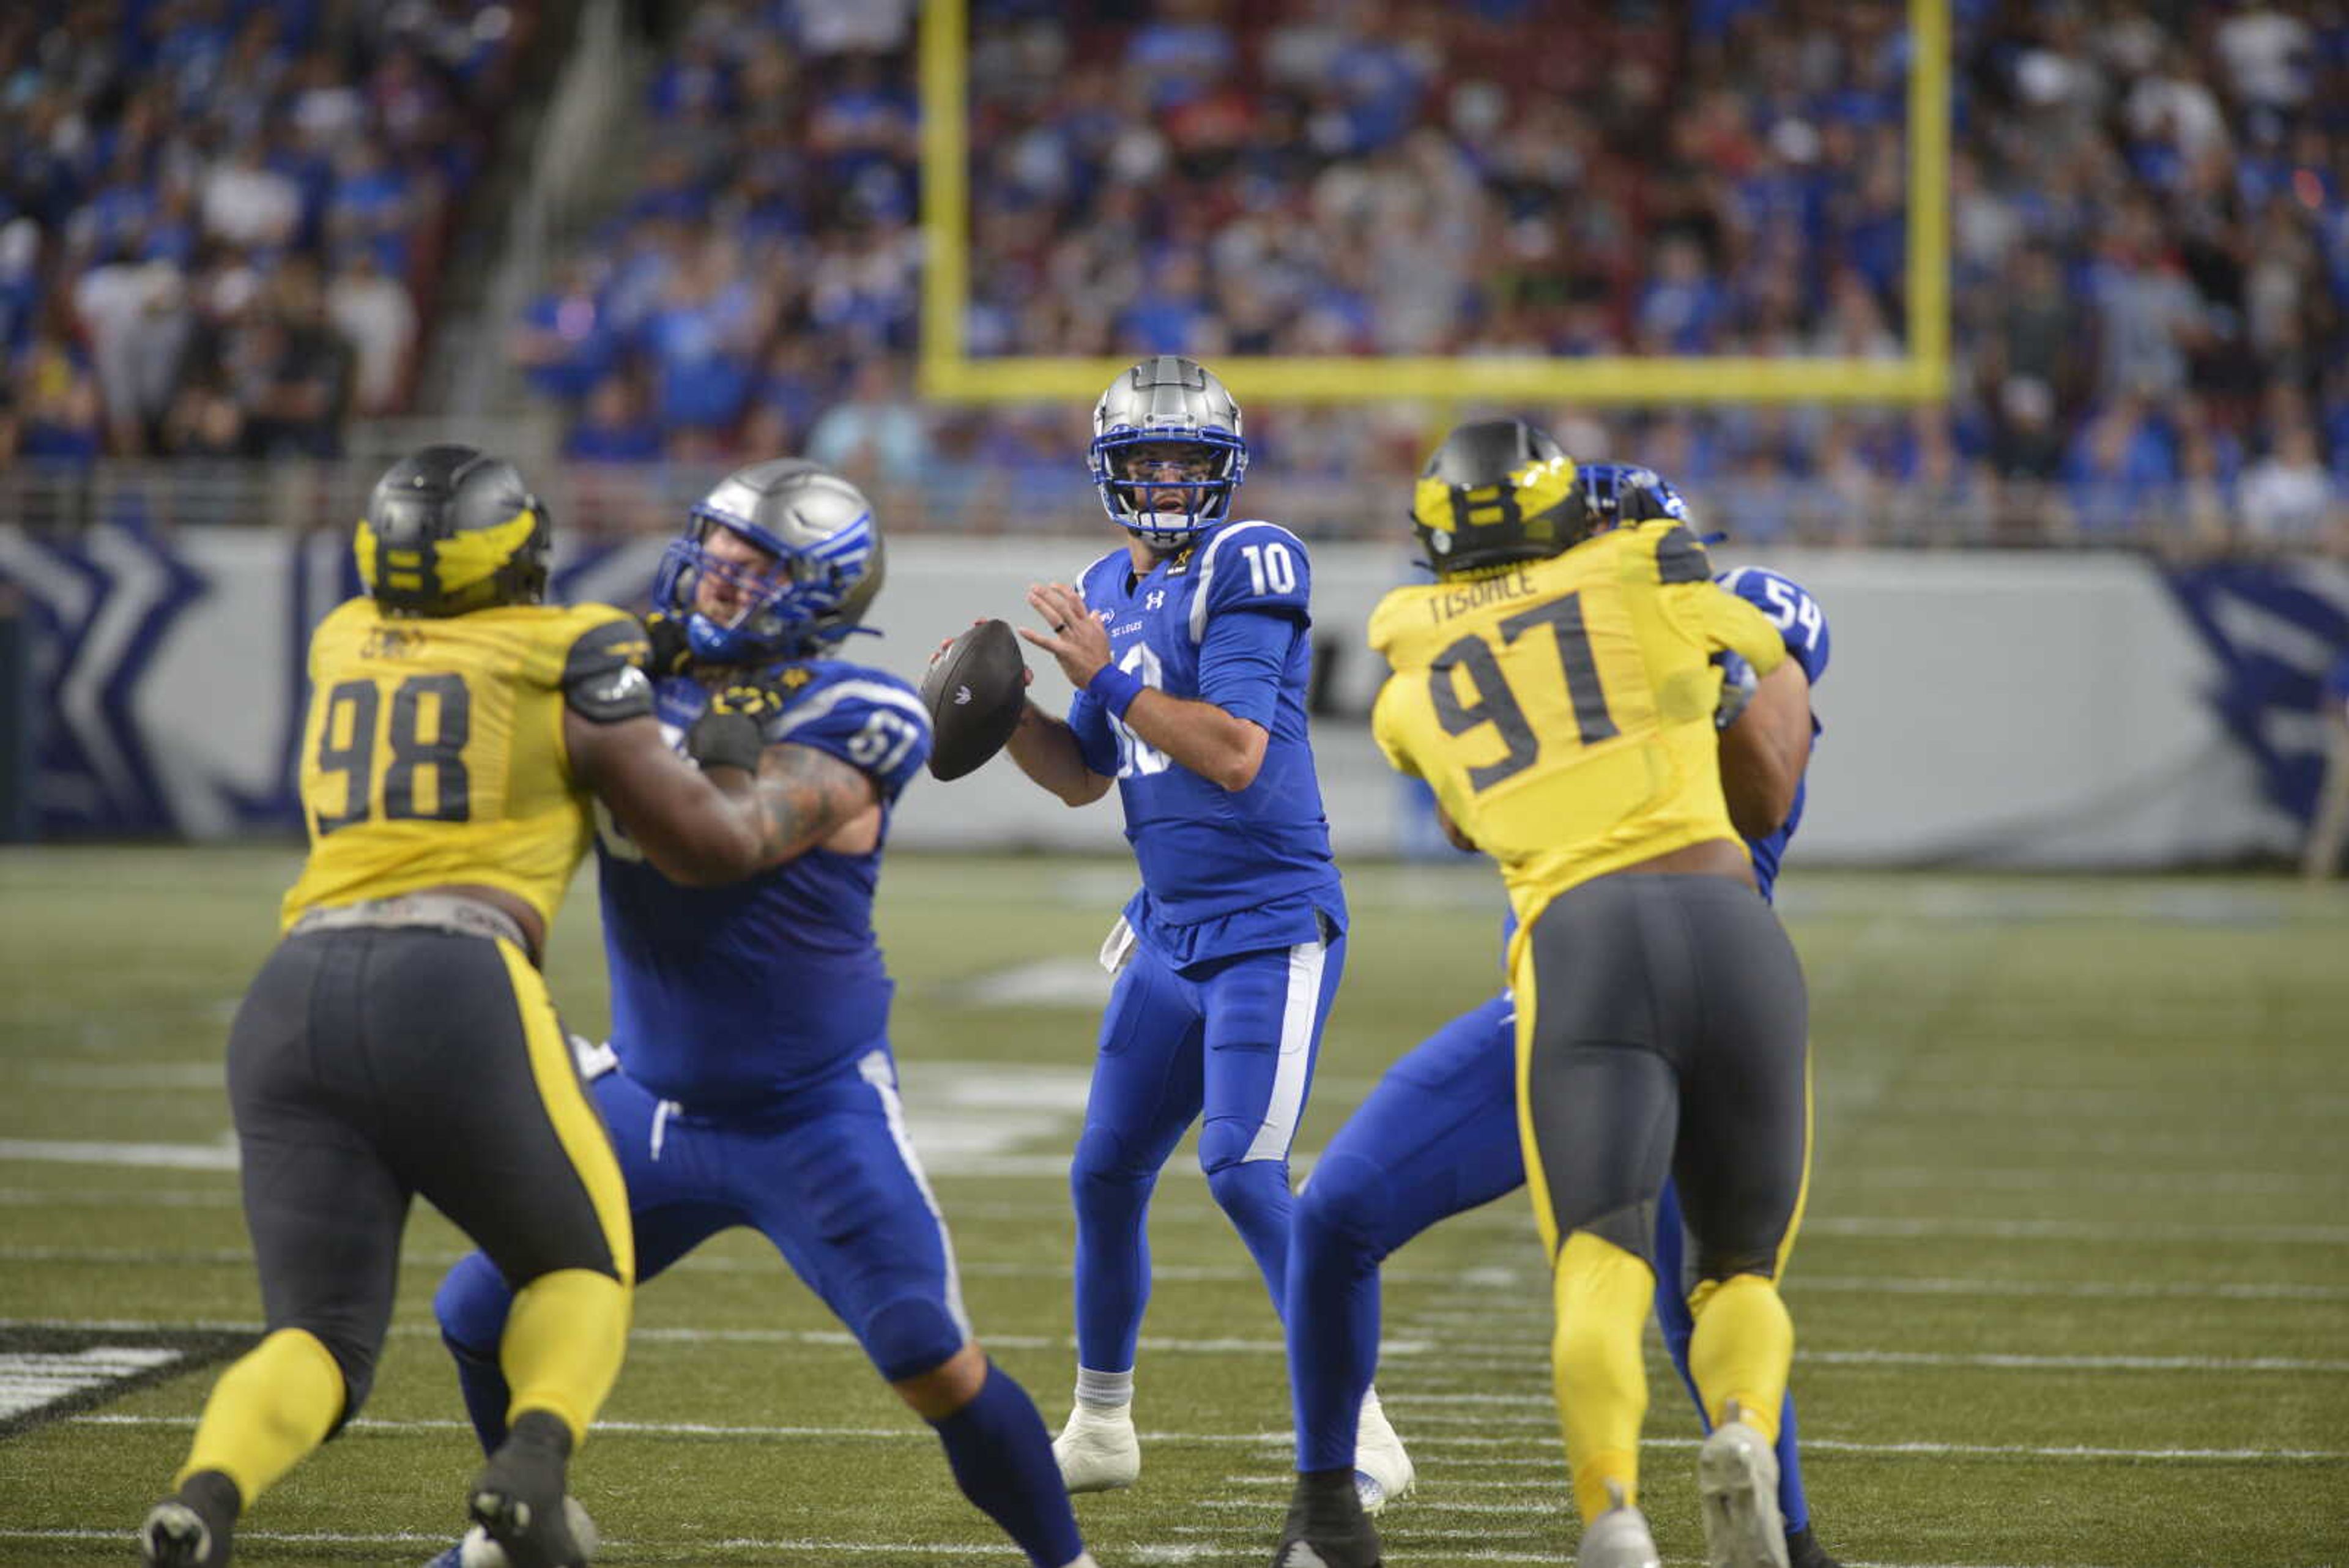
(814, 572)
(1167, 453)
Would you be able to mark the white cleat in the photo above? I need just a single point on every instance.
(1737, 1484)
(1383, 1473)
(1097, 1450)
(478, 1550)
(1617, 1538)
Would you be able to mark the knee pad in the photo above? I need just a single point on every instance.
(471, 1305)
(909, 1335)
(1241, 1185)
(1632, 1229)
(1718, 1267)
(1347, 1199)
(1100, 1160)
(1224, 1144)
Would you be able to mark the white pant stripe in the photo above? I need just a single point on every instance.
(1281, 1112)
(875, 1070)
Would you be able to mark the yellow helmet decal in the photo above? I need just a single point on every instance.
(446, 567)
(1528, 499)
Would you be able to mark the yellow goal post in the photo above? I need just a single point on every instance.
(1922, 374)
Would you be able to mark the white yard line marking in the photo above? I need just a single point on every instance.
(218, 1155)
(39, 1198)
(1798, 1283)
(2012, 1178)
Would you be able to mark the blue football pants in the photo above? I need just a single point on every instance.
(829, 1177)
(1229, 1042)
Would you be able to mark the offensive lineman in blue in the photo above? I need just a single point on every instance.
(1190, 651)
(749, 1079)
(1438, 1137)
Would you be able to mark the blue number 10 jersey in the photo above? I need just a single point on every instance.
(1224, 622)
(1804, 628)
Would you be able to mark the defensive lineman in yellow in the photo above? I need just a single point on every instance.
(1555, 688)
(400, 1039)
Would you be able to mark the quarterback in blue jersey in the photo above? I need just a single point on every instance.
(749, 1080)
(1189, 646)
(1439, 1136)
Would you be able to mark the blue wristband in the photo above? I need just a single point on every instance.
(1114, 689)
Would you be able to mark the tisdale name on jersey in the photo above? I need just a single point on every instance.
(1509, 583)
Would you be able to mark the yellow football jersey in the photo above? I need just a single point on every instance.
(1562, 709)
(433, 751)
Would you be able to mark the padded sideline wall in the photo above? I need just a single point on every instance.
(1987, 708)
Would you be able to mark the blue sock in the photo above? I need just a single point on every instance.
(1332, 1319)
(1254, 1195)
(1673, 1319)
(471, 1305)
(1002, 1459)
(1791, 1500)
(487, 1395)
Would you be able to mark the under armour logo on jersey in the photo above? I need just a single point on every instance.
(1154, 598)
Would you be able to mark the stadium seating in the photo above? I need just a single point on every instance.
(2150, 242)
(222, 221)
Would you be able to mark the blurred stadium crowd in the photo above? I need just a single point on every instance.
(221, 223)
(2150, 234)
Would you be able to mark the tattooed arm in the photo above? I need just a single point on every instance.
(809, 799)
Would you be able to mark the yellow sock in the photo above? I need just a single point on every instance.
(563, 1343)
(1602, 1294)
(1743, 1347)
(267, 1413)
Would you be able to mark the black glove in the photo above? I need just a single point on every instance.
(671, 650)
(733, 731)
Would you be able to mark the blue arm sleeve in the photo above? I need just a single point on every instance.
(1095, 742)
(1241, 660)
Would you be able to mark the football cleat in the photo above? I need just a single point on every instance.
(175, 1536)
(1326, 1529)
(478, 1550)
(519, 1499)
(1383, 1473)
(1097, 1450)
(1737, 1485)
(1617, 1538)
(191, 1528)
(1803, 1551)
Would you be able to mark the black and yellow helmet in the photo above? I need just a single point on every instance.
(451, 529)
(1498, 490)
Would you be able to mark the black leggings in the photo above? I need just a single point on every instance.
(1667, 1036)
(367, 1066)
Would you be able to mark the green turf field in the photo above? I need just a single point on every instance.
(2073, 1287)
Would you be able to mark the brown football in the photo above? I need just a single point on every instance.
(974, 693)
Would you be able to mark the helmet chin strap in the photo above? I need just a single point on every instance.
(1148, 527)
